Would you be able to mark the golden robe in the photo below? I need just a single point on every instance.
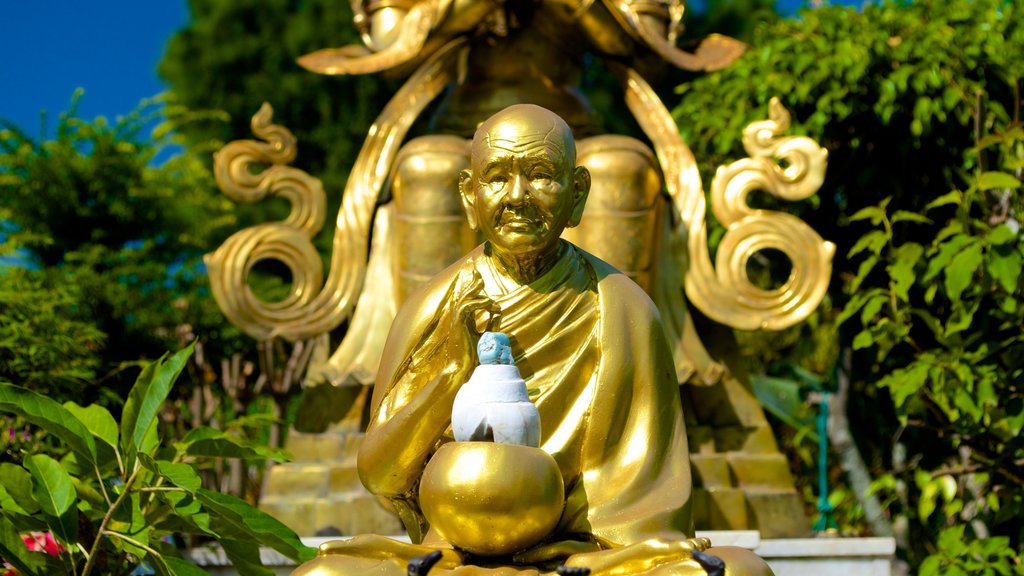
(588, 342)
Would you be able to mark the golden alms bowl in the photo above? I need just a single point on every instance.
(492, 499)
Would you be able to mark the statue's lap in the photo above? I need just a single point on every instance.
(379, 555)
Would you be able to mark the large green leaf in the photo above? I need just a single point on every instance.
(181, 567)
(234, 518)
(961, 271)
(97, 419)
(14, 551)
(211, 443)
(181, 475)
(990, 180)
(50, 416)
(228, 447)
(54, 491)
(1004, 264)
(901, 270)
(905, 382)
(17, 490)
(139, 419)
(245, 557)
(945, 254)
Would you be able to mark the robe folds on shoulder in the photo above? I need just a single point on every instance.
(588, 342)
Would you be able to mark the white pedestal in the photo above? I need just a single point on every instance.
(829, 556)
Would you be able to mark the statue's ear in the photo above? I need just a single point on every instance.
(581, 189)
(468, 197)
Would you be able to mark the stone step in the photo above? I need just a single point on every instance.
(355, 513)
(315, 447)
(719, 508)
(711, 471)
(778, 514)
(760, 472)
(296, 513)
(296, 479)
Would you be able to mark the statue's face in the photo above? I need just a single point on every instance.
(523, 187)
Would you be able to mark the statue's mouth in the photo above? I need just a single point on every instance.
(530, 220)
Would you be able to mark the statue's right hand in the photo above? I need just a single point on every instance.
(473, 313)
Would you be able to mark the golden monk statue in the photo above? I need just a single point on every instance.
(591, 349)
(402, 221)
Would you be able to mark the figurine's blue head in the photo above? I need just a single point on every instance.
(494, 348)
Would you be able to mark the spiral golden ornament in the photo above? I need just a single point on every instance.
(311, 307)
(724, 291)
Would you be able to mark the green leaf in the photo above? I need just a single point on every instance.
(863, 339)
(905, 382)
(50, 416)
(872, 308)
(181, 567)
(863, 270)
(181, 475)
(17, 483)
(1004, 266)
(14, 551)
(962, 399)
(54, 491)
(902, 269)
(1001, 234)
(873, 242)
(89, 498)
(904, 216)
(187, 517)
(139, 419)
(960, 272)
(954, 197)
(97, 419)
(234, 518)
(946, 252)
(228, 447)
(245, 557)
(856, 303)
(874, 213)
(990, 180)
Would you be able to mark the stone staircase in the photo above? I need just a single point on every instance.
(319, 492)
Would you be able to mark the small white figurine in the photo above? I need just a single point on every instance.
(493, 405)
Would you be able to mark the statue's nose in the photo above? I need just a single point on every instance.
(517, 194)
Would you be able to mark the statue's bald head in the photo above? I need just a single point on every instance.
(523, 186)
(525, 126)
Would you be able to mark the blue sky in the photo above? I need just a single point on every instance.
(110, 48)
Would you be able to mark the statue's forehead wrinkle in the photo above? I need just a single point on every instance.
(513, 139)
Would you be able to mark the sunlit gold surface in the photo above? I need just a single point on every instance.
(312, 308)
(489, 498)
(588, 343)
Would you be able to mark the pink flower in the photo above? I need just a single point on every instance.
(41, 542)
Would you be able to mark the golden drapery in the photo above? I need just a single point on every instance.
(590, 347)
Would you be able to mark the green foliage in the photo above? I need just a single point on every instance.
(234, 55)
(106, 248)
(919, 106)
(942, 320)
(112, 513)
(45, 341)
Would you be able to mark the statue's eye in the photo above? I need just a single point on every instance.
(497, 180)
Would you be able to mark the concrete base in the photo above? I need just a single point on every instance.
(829, 556)
(786, 556)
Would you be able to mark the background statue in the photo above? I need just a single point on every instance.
(646, 214)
